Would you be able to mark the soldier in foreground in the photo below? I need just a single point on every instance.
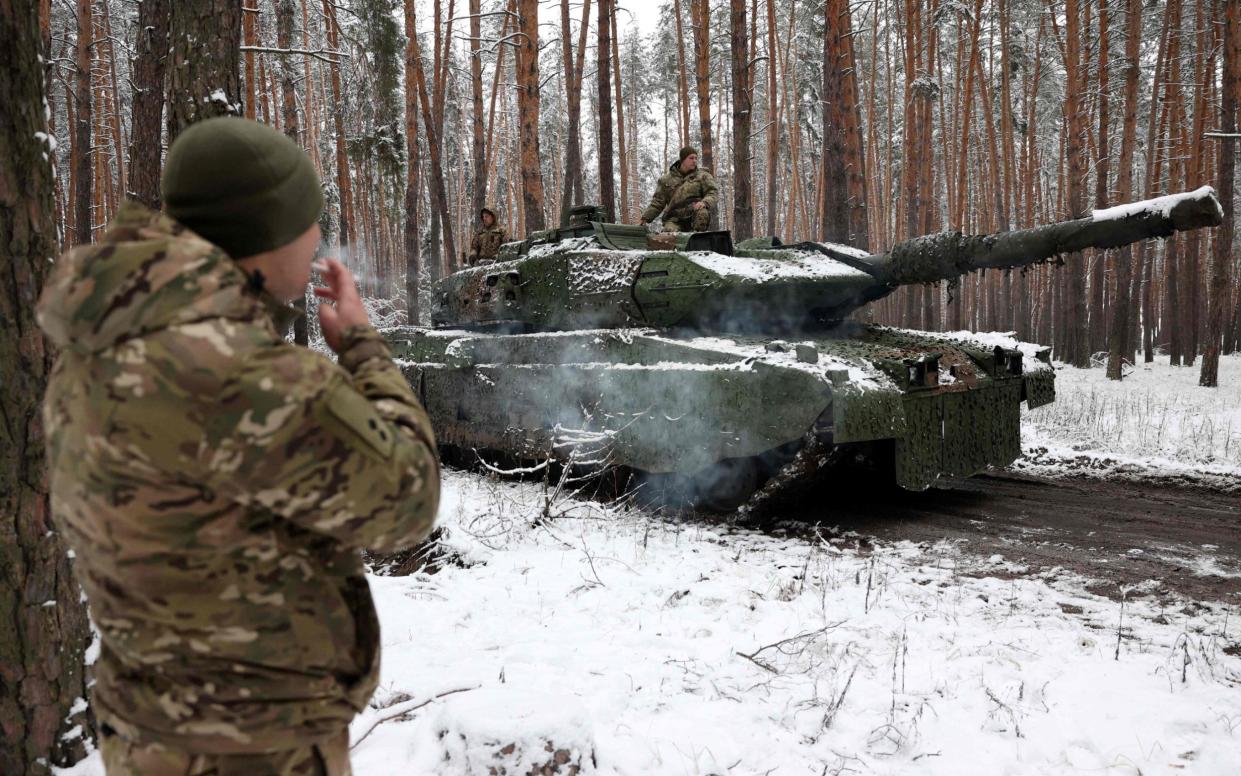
(216, 483)
(487, 240)
(684, 196)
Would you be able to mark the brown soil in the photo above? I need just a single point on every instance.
(1114, 533)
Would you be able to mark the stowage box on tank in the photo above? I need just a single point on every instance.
(733, 371)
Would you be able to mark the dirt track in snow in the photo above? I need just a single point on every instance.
(1118, 533)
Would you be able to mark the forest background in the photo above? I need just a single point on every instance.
(863, 122)
(858, 122)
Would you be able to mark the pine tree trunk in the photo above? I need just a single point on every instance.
(285, 10)
(204, 72)
(83, 164)
(528, 113)
(1231, 11)
(439, 195)
(773, 119)
(743, 206)
(1098, 331)
(1120, 332)
(1077, 344)
(843, 189)
(479, 200)
(682, 70)
(623, 152)
(702, 68)
(573, 67)
(43, 626)
(146, 124)
(344, 190)
(607, 185)
(412, 244)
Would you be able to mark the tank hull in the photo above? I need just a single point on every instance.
(662, 403)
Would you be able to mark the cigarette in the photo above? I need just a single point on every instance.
(319, 266)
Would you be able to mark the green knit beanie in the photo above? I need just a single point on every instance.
(241, 185)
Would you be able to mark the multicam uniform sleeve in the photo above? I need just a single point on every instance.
(345, 451)
(710, 190)
(658, 202)
(472, 257)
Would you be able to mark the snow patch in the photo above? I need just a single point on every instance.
(802, 265)
(1161, 205)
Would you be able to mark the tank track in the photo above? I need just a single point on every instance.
(796, 476)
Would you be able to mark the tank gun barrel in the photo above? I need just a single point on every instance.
(948, 255)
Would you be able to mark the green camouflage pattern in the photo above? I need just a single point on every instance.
(215, 484)
(126, 758)
(675, 194)
(486, 244)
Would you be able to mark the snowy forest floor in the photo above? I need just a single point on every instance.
(1157, 424)
(658, 645)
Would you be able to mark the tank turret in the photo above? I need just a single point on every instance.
(590, 274)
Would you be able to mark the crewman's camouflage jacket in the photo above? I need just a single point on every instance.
(676, 193)
(486, 244)
(215, 484)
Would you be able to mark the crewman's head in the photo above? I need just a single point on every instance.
(253, 192)
(487, 216)
(688, 159)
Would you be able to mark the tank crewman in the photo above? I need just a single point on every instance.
(684, 195)
(487, 240)
(216, 482)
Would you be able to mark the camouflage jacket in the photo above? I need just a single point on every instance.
(676, 193)
(486, 244)
(215, 483)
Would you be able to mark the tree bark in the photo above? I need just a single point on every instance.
(344, 189)
(743, 206)
(773, 119)
(682, 71)
(147, 129)
(1077, 343)
(285, 10)
(204, 73)
(607, 184)
(1098, 331)
(249, 34)
(413, 193)
(479, 199)
(83, 164)
(623, 158)
(573, 67)
(439, 195)
(1120, 331)
(1231, 11)
(844, 193)
(528, 114)
(43, 625)
(702, 68)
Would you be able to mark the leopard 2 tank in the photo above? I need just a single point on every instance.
(730, 374)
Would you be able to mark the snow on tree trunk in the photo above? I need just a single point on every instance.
(528, 112)
(204, 68)
(43, 625)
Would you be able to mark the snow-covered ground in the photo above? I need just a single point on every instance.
(1157, 423)
(664, 647)
(629, 643)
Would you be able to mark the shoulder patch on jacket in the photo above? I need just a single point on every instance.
(351, 415)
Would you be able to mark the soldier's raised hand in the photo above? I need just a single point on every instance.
(346, 309)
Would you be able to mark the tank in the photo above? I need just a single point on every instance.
(727, 376)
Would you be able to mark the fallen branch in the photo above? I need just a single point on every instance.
(404, 709)
(321, 54)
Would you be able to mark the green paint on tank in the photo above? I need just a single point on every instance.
(680, 354)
